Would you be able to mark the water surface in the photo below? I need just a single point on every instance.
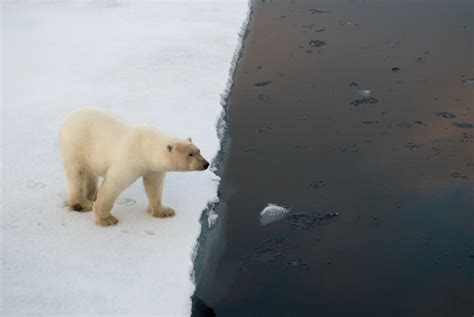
(341, 107)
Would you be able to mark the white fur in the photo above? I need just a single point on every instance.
(95, 143)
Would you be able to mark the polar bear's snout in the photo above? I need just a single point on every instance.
(200, 163)
(204, 164)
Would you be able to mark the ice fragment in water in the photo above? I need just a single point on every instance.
(317, 43)
(458, 175)
(463, 125)
(314, 11)
(420, 60)
(298, 264)
(445, 114)
(263, 83)
(212, 218)
(272, 213)
(468, 81)
(364, 101)
(404, 124)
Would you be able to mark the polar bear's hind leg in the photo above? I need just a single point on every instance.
(90, 186)
(76, 179)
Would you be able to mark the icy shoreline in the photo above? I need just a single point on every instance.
(208, 244)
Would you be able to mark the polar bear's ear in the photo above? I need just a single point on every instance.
(169, 147)
(190, 140)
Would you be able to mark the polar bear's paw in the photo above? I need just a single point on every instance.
(163, 212)
(107, 221)
(166, 212)
(83, 206)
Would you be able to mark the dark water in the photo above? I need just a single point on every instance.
(395, 164)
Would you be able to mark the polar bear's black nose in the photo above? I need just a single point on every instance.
(206, 165)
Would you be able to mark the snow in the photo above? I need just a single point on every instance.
(165, 63)
(272, 213)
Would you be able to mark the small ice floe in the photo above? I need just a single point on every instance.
(298, 264)
(404, 124)
(263, 83)
(211, 218)
(364, 101)
(272, 213)
(458, 175)
(445, 114)
(317, 43)
(364, 93)
(463, 125)
(314, 11)
(263, 98)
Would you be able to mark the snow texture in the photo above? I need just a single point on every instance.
(161, 63)
(272, 213)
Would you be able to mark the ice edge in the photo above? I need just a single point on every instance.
(222, 134)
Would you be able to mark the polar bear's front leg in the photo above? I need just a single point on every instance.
(110, 189)
(153, 183)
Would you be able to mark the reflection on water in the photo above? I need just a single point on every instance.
(396, 163)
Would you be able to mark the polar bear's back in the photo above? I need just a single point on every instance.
(91, 137)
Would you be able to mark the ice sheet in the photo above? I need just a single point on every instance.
(161, 63)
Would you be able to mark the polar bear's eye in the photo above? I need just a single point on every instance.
(190, 154)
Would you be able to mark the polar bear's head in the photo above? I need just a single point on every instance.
(185, 156)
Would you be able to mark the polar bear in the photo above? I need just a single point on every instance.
(94, 143)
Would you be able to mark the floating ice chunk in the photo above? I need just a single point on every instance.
(463, 125)
(272, 213)
(212, 218)
(364, 93)
(263, 83)
(364, 101)
(317, 43)
(468, 81)
(445, 114)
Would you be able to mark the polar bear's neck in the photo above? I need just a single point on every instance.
(154, 148)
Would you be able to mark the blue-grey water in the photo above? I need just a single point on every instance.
(360, 108)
